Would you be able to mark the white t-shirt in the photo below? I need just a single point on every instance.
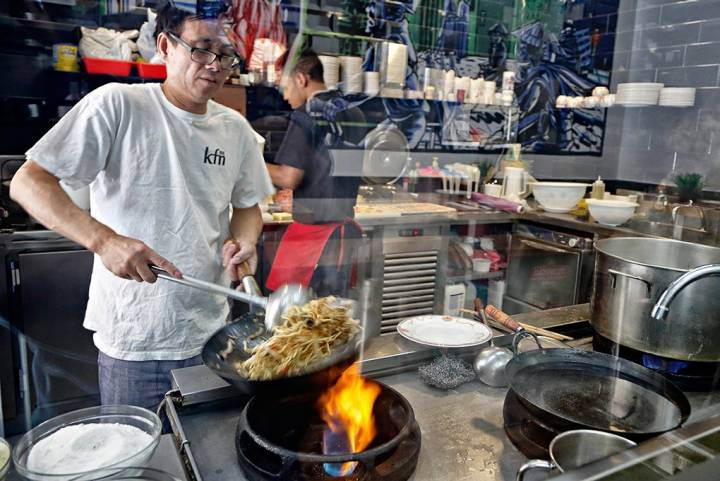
(167, 177)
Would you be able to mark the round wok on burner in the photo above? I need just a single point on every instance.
(588, 389)
(319, 377)
(280, 439)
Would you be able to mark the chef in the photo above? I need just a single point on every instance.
(167, 167)
(317, 248)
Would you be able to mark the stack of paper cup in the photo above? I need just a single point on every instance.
(352, 74)
(508, 80)
(449, 84)
(395, 63)
(477, 89)
(489, 92)
(438, 81)
(331, 70)
(372, 83)
(427, 78)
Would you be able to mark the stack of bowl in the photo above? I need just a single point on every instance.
(331, 70)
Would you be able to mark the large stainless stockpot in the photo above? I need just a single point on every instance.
(630, 275)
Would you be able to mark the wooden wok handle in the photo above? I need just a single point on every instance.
(479, 306)
(504, 319)
(245, 266)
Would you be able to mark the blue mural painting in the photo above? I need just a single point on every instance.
(555, 47)
(552, 55)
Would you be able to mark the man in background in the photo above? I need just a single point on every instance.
(323, 233)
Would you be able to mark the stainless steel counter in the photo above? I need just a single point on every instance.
(569, 221)
(462, 433)
(635, 227)
(495, 217)
(390, 354)
(462, 429)
(485, 217)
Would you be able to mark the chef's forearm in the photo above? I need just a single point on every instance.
(246, 224)
(40, 194)
(284, 176)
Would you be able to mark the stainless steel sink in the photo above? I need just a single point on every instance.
(670, 231)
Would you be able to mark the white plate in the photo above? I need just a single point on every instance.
(444, 331)
(637, 96)
(635, 85)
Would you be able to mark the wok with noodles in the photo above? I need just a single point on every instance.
(307, 335)
(312, 346)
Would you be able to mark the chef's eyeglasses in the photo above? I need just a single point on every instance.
(206, 57)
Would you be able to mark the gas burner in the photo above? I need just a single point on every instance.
(281, 439)
(687, 375)
(530, 435)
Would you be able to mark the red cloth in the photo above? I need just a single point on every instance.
(299, 253)
(253, 19)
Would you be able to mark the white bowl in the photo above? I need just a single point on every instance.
(558, 197)
(138, 417)
(611, 212)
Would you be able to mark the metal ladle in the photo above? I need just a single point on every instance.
(489, 364)
(274, 305)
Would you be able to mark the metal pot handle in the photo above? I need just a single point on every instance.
(520, 335)
(614, 274)
(533, 464)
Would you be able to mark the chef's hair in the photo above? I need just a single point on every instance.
(309, 64)
(172, 19)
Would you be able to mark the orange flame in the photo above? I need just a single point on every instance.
(347, 408)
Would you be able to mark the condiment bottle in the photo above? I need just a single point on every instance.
(598, 189)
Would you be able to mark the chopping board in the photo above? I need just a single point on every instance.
(372, 211)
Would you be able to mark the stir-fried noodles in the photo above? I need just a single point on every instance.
(308, 334)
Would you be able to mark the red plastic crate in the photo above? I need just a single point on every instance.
(152, 70)
(107, 66)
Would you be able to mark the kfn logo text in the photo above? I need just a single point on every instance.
(214, 158)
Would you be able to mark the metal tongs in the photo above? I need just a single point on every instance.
(274, 305)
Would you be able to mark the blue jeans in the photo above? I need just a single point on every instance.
(139, 383)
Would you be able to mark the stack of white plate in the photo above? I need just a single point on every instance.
(372, 83)
(331, 70)
(638, 94)
(352, 74)
(677, 97)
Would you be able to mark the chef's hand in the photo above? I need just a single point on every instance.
(235, 254)
(130, 259)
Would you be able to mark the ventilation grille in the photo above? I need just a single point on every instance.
(409, 281)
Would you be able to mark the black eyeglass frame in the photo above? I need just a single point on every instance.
(212, 55)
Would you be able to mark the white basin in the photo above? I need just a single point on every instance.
(558, 197)
(611, 212)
